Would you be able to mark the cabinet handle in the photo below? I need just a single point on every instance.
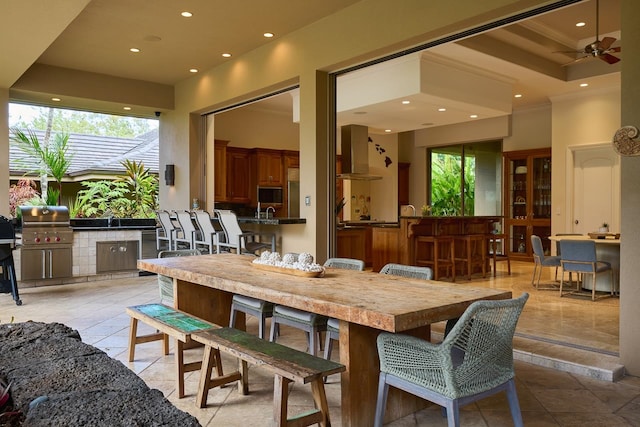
(44, 264)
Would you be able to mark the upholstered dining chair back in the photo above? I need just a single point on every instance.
(541, 260)
(578, 255)
(166, 283)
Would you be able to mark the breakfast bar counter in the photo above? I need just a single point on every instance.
(366, 303)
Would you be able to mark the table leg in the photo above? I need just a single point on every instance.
(358, 352)
(212, 305)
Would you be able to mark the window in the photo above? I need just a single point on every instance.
(465, 179)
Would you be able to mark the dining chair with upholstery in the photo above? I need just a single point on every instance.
(208, 236)
(540, 261)
(311, 323)
(473, 362)
(238, 240)
(165, 283)
(579, 256)
(166, 231)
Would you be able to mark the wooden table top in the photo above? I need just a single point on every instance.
(375, 300)
(607, 241)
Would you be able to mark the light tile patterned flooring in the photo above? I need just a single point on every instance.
(548, 397)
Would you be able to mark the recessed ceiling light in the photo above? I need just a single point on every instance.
(387, 130)
(126, 108)
(268, 35)
(134, 50)
(226, 55)
(581, 24)
(405, 102)
(517, 95)
(442, 110)
(193, 70)
(56, 99)
(187, 14)
(584, 84)
(473, 116)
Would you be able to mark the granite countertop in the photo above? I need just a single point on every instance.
(271, 221)
(103, 224)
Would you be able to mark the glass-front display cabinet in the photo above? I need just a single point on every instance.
(527, 200)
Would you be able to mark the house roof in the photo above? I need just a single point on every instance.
(94, 155)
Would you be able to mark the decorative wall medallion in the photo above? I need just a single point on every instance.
(623, 141)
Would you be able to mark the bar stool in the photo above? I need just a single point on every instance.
(472, 252)
(498, 251)
(440, 253)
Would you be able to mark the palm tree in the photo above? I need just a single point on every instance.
(53, 158)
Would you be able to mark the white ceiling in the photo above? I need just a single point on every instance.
(524, 54)
(95, 35)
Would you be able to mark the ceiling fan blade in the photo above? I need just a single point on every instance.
(614, 49)
(606, 42)
(609, 58)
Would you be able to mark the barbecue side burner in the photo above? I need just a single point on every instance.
(47, 241)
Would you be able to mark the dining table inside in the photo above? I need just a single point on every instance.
(365, 303)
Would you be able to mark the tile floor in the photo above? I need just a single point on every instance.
(548, 397)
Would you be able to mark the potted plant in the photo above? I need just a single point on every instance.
(604, 228)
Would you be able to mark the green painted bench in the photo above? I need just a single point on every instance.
(169, 322)
(288, 365)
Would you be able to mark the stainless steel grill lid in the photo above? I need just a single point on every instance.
(44, 215)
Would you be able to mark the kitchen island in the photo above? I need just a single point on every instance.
(397, 243)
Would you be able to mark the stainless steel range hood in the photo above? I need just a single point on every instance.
(355, 153)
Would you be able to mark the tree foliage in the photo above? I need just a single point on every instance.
(53, 158)
(133, 195)
(22, 193)
(70, 121)
(447, 185)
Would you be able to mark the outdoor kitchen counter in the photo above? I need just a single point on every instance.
(270, 221)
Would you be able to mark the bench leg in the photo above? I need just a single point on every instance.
(320, 397)
(133, 333)
(280, 399)
(243, 384)
(210, 359)
(180, 367)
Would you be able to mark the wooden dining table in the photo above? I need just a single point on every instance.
(366, 303)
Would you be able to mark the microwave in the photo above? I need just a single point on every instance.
(269, 195)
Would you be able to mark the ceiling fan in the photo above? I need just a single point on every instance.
(600, 49)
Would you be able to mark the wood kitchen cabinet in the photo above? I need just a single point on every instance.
(232, 169)
(527, 200)
(355, 242)
(220, 170)
(238, 175)
(268, 167)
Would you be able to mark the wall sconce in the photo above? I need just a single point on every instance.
(170, 175)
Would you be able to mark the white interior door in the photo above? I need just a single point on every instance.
(596, 189)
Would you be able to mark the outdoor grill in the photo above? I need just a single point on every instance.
(47, 240)
(8, 282)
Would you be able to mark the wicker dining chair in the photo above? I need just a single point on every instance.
(311, 323)
(473, 362)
